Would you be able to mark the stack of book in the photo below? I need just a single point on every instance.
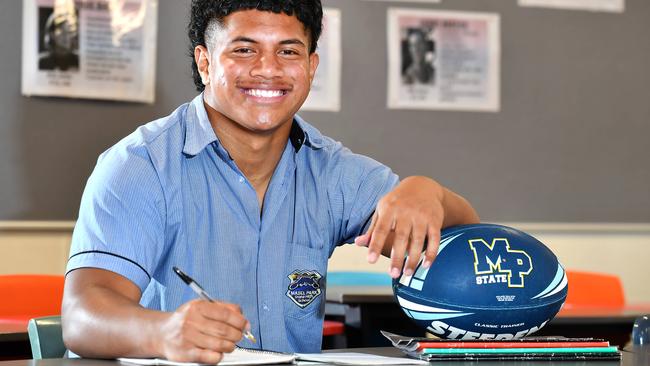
(529, 348)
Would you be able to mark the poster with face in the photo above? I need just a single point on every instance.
(443, 60)
(325, 93)
(95, 49)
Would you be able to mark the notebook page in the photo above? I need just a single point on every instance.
(239, 357)
(354, 358)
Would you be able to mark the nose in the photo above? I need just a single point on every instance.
(267, 66)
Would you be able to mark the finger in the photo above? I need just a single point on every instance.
(416, 244)
(206, 356)
(222, 331)
(222, 313)
(364, 239)
(211, 342)
(237, 309)
(195, 354)
(378, 236)
(399, 247)
(232, 307)
(433, 243)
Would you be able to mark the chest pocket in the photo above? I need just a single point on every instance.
(305, 280)
(304, 296)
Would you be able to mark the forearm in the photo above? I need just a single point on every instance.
(105, 324)
(458, 210)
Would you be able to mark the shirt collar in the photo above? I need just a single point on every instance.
(309, 135)
(199, 132)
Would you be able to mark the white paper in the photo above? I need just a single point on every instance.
(443, 60)
(616, 6)
(325, 93)
(96, 49)
(355, 358)
(238, 357)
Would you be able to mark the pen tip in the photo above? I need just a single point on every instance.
(250, 336)
(182, 275)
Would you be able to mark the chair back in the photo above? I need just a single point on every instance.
(27, 296)
(590, 289)
(46, 337)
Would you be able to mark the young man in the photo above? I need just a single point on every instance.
(244, 196)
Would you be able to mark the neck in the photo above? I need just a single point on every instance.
(256, 153)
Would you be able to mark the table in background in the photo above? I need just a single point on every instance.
(633, 357)
(14, 341)
(366, 310)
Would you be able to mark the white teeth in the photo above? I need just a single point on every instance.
(263, 93)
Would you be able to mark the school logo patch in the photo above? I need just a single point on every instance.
(304, 287)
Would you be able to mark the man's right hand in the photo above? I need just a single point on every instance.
(102, 318)
(202, 331)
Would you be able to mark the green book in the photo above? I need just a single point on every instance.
(463, 351)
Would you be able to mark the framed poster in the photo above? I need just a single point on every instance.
(443, 60)
(95, 49)
(615, 6)
(325, 93)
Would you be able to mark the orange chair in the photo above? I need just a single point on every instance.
(333, 327)
(590, 289)
(29, 296)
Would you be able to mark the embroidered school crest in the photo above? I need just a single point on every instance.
(304, 287)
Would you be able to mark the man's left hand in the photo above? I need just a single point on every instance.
(415, 211)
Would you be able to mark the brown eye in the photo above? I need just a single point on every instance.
(289, 53)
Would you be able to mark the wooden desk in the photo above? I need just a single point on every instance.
(631, 357)
(365, 310)
(14, 341)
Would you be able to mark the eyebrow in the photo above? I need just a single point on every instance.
(294, 41)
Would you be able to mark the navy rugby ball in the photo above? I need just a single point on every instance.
(487, 282)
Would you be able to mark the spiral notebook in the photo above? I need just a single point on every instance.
(240, 356)
(245, 356)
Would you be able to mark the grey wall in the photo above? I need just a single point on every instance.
(570, 143)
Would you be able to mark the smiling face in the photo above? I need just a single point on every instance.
(257, 69)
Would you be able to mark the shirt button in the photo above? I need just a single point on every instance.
(265, 307)
(241, 179)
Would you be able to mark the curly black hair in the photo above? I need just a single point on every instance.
(308, 12)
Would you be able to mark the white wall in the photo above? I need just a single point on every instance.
(621, 249)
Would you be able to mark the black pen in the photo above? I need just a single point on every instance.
(204, 295)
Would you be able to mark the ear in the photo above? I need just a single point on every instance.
(202, 59)
(313, 65)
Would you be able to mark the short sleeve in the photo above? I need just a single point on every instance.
(360, 182)
(122, 217)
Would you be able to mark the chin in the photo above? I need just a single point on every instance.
(268, 123)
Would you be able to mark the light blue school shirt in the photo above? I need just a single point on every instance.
(170, 195)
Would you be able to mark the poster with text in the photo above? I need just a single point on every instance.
(443, 60)
(325, 93)
(94, 49)
(615, 6)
